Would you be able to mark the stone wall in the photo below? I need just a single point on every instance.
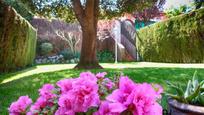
(105, 39)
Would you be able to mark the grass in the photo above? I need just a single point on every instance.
(27, 82)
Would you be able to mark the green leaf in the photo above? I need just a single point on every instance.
(178, 89)
(178, 98)
(201, 89)
(193, 95)
(202, 84)
(188, 89)
(201, 99)
(195, 80)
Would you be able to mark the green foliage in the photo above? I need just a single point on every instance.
(68, 54)
(51, 9)
(77, 55)
(105, 56)
(198, 4)
(46, 48)
(177, 40)
(65, 13)
(18, 37)
(176, 11)
(21, 8)
(108, 8)
(193, 94)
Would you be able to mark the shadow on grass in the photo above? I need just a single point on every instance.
(11, 74)
(29, 85)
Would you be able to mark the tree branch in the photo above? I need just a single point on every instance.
(78, 9)
(89, 8)
(96, 11)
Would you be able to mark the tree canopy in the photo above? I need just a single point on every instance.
(108, 8)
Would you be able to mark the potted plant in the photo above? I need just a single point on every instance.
(189, 101)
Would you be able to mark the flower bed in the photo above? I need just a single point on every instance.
(56, 59)
(92, 94)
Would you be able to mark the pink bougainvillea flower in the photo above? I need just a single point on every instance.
(107, 108)
(64, 111)
(82, 93)
(65, 105)
(65, 85)
(108, 83)
(154, 109)
(85, 91)
(126, 86)
(101, 75)
(40, 104)
(29, 113)
(20, 106)
(140, 99)
(45, 100)
(46, 91)
(158, 88)
(88, 75)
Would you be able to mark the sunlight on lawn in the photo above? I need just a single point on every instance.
(38, 69)
(57, 67)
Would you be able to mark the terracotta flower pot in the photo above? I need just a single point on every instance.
(177, 108)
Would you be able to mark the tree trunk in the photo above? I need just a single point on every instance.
(88, 19)
(88, 59)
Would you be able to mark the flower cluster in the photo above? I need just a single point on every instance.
(81, 94)
(134, 98)
(20, 106)
(46, 100)
(89, 93)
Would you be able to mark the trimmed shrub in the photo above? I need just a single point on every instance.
(177, 40)
(67, 54)
(20, 8)
(105, 56)
(46, 48)
(18, 40)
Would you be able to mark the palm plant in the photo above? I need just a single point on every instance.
(193, 93)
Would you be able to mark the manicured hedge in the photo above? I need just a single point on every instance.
(177, 40)
(17, 40)
(21, 8)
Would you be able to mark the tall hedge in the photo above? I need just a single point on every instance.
(21, 8)
(177, 40)
(17, 40)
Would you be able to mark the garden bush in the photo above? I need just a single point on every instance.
(105, 56)
(92, 94)
(177, 40)
(20, 8)
(18, 40)
(67, 54)
(46, 48)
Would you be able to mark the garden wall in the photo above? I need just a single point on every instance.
(17, 40)
(177, 40)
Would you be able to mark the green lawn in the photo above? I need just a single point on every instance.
(27, 82)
